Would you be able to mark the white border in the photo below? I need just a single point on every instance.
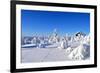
(20, 65)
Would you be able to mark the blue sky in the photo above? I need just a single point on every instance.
(44, 22)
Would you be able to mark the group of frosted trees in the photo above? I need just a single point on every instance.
(63, 41)
(77, 46)
(43, 41)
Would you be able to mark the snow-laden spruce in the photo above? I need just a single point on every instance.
(77, 46)
(82, 49)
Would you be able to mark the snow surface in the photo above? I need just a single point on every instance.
(43, 55)
(56, 48)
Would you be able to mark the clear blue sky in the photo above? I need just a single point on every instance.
(44, 22)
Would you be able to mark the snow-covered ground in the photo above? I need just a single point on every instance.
(43, 55)
(52, 53)
(55, 48)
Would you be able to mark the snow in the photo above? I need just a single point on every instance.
(43, 55)
(80, 52)
(28, 45)
(57, 48)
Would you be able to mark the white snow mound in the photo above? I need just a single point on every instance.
(79, 53)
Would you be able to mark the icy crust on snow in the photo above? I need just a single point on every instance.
(74, 47)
